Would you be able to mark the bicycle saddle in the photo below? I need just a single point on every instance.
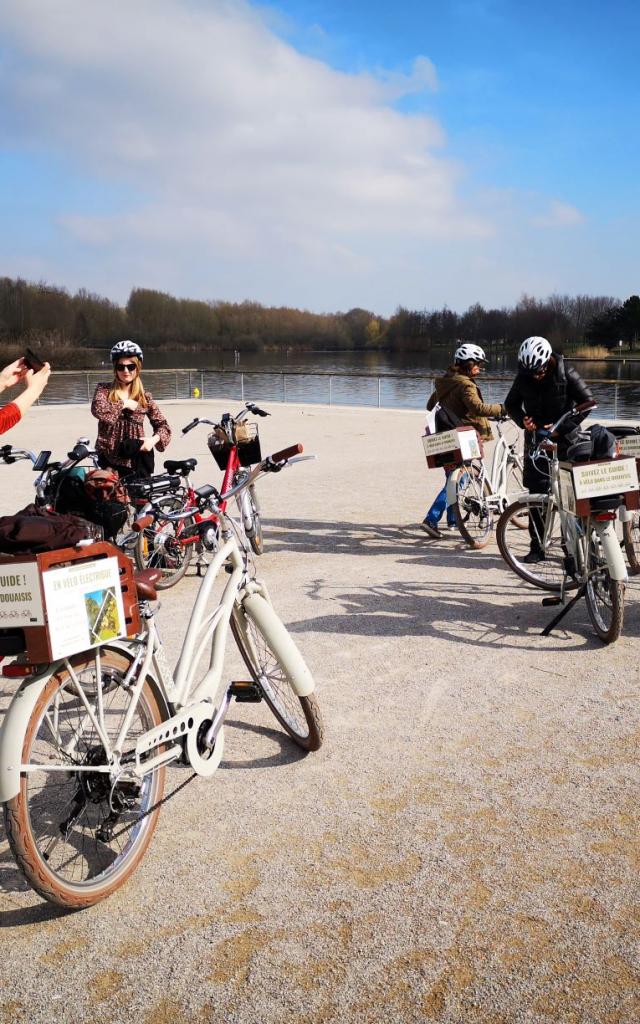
(183, 467)
(145, 581)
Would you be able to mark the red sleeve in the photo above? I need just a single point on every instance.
(9, 416)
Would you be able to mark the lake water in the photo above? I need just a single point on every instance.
(392, 380)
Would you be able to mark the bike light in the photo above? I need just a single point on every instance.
(605, 517)
(18, 671)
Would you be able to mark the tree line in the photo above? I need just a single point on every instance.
(48, 317)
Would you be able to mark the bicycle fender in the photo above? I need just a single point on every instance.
(611, 547)
(14, 727)
(276, 632)
(451, 489)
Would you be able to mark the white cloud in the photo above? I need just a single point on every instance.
(227, 133)
(559, 215)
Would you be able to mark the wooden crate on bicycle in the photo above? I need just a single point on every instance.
(587, 487)
(59, 603)
(452, 447)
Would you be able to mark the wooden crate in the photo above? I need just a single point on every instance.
(36, 619)
(452, 447)
(586, 486)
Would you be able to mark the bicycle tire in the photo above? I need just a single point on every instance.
(474, 517)
(275, 665)
(172, 558)
(514, 543)
(631, 539)
(604, 596)
(252, 532)
(46, 854)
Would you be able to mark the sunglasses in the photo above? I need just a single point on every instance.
(129, 367)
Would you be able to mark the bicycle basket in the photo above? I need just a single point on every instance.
(248, 442)
(219, 446)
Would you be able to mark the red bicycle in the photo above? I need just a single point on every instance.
(168, 544)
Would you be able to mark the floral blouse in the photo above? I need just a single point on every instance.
(117, 424)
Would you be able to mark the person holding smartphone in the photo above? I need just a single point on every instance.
(35, 376)
(121, 408)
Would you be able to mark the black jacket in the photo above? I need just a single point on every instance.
(546, 400)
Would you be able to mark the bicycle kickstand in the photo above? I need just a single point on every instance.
(567, 608)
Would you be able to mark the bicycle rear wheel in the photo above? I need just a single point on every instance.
(631, 538)
(159, 547)
(474, 516)
(277, 666)
(77, 835)
(514, 543)
(604, 596)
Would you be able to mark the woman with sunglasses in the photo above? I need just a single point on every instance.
(120, 408)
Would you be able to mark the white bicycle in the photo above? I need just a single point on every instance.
(477, 496)
(85, 743)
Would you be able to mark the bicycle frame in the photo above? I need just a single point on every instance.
(190, 701)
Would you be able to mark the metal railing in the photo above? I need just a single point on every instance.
(392, 390)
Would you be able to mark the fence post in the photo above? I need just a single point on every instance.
(201, 383)
(242, 387)
(330, 380)
(175, 383)
(379, 392)
(284, 388)
(88, 387)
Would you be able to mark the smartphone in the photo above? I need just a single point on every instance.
(33, 361)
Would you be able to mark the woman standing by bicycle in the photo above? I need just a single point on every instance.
(120, 408)
(461, 402)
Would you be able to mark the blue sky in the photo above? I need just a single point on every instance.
(321, 154)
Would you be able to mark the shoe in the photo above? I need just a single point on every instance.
(535, 555)
(431, 529)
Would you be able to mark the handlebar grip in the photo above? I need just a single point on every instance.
(287, 453)
(142, 523)
(190, 426)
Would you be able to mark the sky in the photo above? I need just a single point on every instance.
(322, 154)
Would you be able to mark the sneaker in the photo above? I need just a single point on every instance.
(431, 529)
(535, 555)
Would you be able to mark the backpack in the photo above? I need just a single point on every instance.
(445, 419)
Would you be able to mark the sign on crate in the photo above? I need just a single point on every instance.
(84, 605)
(464, 440)
(597, 479)
(630, 445)
(20, 598)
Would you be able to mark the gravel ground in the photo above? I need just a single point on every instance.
(464, 847)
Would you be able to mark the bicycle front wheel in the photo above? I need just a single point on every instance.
(543, 530)
(474, 517)
(77, 829)
(604, 596)
(254, 534)
(159, 547)
(277, 667)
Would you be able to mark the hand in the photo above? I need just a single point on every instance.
(529, 424)
(13, 373)
(37, 382)
(130, 403)
(148, 444)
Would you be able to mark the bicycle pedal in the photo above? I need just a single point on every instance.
(550, 602)
(245, 692)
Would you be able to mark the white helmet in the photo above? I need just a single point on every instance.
(534, 354)
(467, 352)
(125, 348)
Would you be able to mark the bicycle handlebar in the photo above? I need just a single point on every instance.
(9, 454)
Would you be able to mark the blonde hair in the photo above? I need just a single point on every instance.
(137, 391)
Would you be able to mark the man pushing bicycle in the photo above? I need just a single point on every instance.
(545, 387)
